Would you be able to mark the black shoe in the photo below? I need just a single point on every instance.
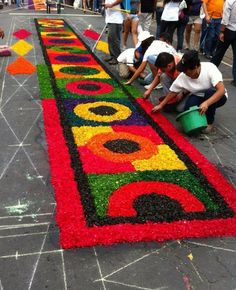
(107, 58)
(201, 51)
(113, 62)
(233, 83)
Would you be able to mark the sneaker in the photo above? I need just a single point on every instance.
(113, 62)
(233, 83)
(209, 130)
(107, 58)
(124, 47)
(201, 51)
(208, 56)
(159, 86)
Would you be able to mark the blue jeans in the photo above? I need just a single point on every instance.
(180, 34)
(194, 100)
(209, 35)
(229, 39)
(96, 5)
(169, 27)
(18, 3)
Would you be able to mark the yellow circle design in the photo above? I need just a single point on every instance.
(122, 112)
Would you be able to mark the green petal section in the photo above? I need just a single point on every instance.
(134, 91)
(101, 192)
(46, 91)
(71, 49)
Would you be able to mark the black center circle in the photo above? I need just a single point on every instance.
(123, 146)
(157, 207)
(79, 70)
(58, 34)
(63, 41)
(88, 87)
(103, 110)
(66, 48)
(72, 58)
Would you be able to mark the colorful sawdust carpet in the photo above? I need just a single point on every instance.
(119, 173)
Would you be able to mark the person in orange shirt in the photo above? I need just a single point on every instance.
(213, 10)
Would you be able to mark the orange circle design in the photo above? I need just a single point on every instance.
(147, 147)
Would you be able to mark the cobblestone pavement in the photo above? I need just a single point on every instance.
(30, 255)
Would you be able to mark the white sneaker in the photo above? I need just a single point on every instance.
(124, 47)
(159, 86)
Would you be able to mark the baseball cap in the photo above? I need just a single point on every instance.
(143, 35)
(189, 60)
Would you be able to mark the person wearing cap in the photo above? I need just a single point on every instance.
(144, 36)
(128, 62)
(151, 54)
(203, 83)
(130, 59)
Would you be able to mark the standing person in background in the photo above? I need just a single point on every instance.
(84, 4)
(159, 10)
(1, 33)
(170, 17)
(195, 23)
(19, 3)
(182, 23)
(48, 6)
(147, 11)
(131, 22)
(114, 20)
(126, 32)
(58, 4)
(227, 36)
(96, 5)
(213, 10)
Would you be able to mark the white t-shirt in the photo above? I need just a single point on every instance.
(127, 57)
(157, 47)
(171, 12)
(209, 77)
(113, 15)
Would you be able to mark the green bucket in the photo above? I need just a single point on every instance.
(191, 120)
